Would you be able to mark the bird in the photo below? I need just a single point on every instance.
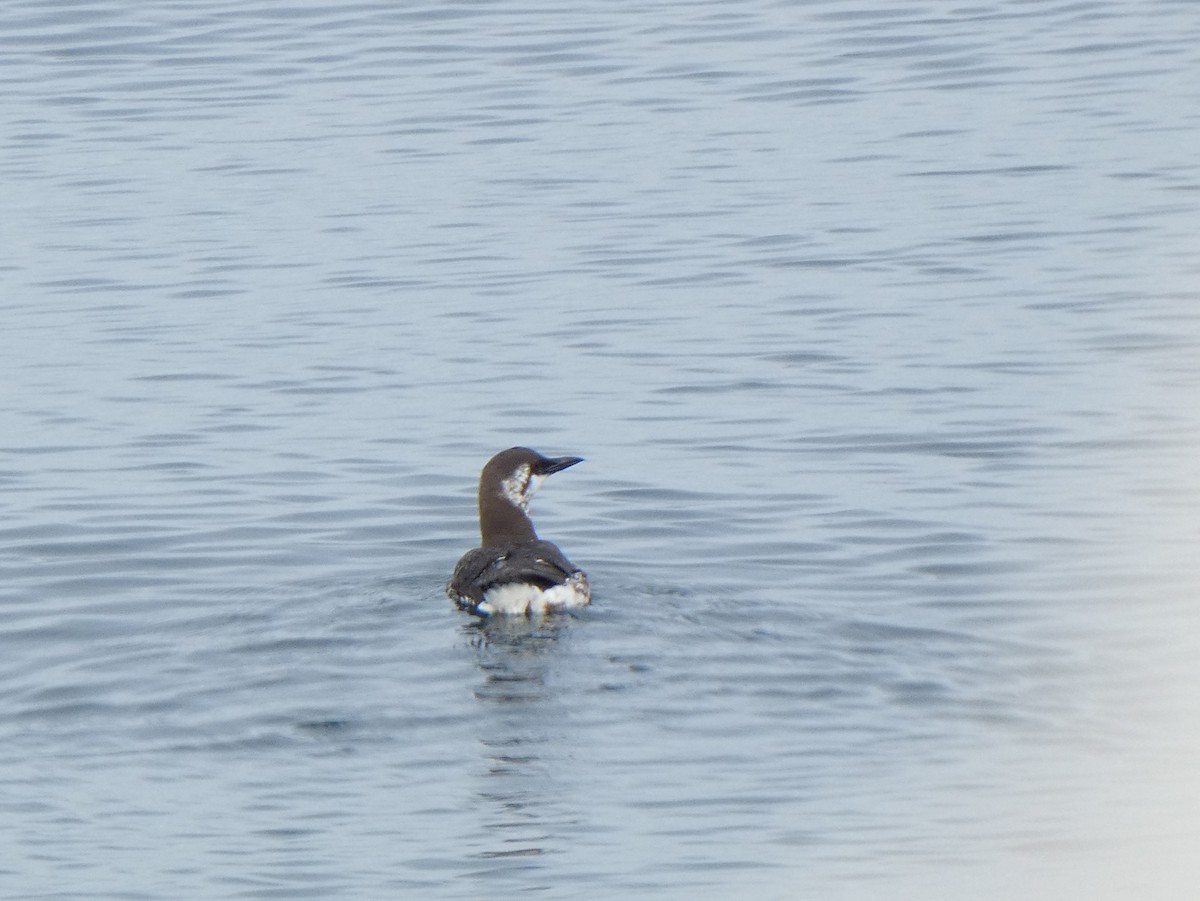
(513, 571)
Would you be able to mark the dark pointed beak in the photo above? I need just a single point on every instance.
(556, 464)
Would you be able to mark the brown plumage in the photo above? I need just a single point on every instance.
(513, 571)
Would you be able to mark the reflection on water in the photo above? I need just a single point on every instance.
(518, 726)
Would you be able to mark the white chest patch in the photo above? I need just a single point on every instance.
(522, 599)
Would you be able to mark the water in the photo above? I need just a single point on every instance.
(877, 326)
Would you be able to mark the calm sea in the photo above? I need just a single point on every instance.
(878, 324)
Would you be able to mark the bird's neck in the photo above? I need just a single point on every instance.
(500, 522)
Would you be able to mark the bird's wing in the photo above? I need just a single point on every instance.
(536, 562)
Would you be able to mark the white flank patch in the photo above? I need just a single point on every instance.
(521, 599)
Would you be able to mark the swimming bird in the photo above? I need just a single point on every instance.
(513, 571)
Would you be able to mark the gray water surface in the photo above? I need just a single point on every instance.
(878, 325)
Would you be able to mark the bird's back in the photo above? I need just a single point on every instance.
(526, 575)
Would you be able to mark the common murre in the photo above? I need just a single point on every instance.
(513, 571)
